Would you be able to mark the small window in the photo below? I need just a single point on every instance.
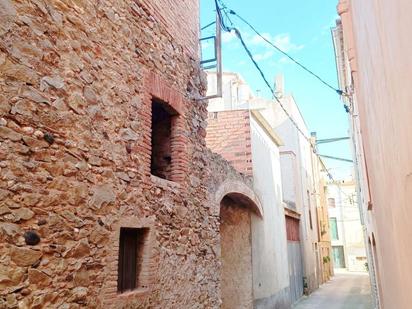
(331, 202)
(334, 228)
(162, 122)
(131, 247)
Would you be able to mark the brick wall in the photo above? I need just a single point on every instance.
(157, 87)
(228, 134)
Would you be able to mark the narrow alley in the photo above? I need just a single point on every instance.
(214, 154)
(346, 290)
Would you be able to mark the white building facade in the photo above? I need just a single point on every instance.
(348, 244)
(284, 173)
(346, 82)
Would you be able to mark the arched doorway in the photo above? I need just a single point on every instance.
(236, 209)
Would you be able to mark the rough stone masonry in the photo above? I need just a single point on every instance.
(77, 78)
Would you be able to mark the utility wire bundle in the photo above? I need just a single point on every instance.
(222, 8)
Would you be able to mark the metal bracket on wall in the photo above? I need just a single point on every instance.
(336, 158)
(216, 60)
(331, 140)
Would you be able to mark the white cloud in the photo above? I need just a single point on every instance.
(228, 36)
(257, 40)
(285, 60)
(263, 56)
(282, 41)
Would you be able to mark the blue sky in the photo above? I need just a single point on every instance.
(301, 28)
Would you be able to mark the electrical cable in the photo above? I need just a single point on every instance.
(225, 9)
(239, 35)
(338, 91)
(222, 22)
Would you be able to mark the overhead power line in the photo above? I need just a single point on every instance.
(225, 11)
(249, 53)
(336, 158)
(338, 91)
(219, 12)
(239, 35)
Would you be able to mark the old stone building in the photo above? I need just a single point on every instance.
(246, 139)
(255, 135)
(109, 196)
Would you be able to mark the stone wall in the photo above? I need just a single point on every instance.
(181, 18)
(76, 82)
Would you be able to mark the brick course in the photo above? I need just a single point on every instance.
(228, 133)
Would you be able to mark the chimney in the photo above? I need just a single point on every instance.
(279, 86)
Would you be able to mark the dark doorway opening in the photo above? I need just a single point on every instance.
(131, 249)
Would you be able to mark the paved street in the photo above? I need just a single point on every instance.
(344, 291)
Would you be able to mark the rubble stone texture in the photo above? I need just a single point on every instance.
(76, 80)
